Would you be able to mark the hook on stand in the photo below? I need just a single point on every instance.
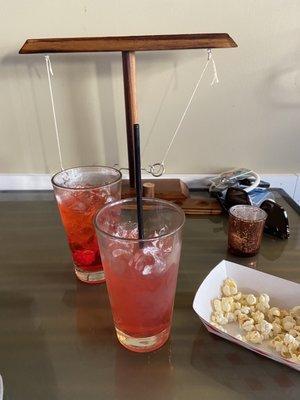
(156, 169)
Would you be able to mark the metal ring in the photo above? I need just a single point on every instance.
(157, 169)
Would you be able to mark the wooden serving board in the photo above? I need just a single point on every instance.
(201, 206)
(175, 190)
(166, 189)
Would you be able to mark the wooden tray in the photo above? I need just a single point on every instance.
(177, 191)
(166, 189)
(201, 206)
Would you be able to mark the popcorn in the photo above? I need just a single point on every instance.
(237, 314)
(251, 299)
(219, 318)
(277, 342)
(279, 346)
(297, 328)
(217, 304)
(230, 287)
(248, 325)
(284, 313)
(263, 307)
(254, 337)
(295, 357)
(225, 304)
(273, 312)
(294, 333)
(267, 336)
(259, 321)
(229, 316)
(263, 302)
(245, 310)
(276, 328)
(288, 323)
(264, 327)
(240, 337)
(258, 316)
(243, 318)
(264, 299)
(290, 342)
(284, 351)
(237, 296)
(243, 300)
(295, 312)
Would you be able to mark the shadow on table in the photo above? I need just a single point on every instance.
(144, 376)
(129, 375)
(93, 315)
(241, 371)
(24, 362)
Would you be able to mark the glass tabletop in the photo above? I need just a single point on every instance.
(56, 334)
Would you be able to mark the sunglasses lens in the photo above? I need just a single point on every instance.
(277, 222)
(235, 197)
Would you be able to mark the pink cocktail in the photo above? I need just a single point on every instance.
(80, 192)
(141, 275)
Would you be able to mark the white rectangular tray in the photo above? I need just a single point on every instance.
(283, 294)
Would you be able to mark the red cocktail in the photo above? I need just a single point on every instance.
(141, 275)
(80, 193)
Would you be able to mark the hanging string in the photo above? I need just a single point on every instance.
(215, 77)
(50, 73)
(215, 80)
(157, 169)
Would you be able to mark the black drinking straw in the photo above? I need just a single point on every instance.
(138, 180)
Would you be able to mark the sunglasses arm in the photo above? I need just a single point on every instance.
(254, 184)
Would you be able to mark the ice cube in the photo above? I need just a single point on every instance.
(149, 260)
(120, 252)
(119, 260)
(165, 244)
(119, 246)
(163, 231)
(127, 230)
(147, 270)
(159, 258)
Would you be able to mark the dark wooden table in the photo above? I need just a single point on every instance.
(56, 334)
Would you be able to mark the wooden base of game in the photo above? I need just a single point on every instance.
(166, 189)
(177, 191)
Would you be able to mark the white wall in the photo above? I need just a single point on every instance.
(250, 119)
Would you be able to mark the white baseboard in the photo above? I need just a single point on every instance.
(289, 182)
(25, 182)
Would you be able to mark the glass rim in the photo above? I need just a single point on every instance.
(263, 218)
(153, 200)
(116, 180)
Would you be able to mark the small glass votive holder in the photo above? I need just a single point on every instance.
(245, 230)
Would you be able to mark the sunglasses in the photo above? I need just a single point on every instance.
(277, 223)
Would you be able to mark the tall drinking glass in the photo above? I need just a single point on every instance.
(80, 192)
(141, 274)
